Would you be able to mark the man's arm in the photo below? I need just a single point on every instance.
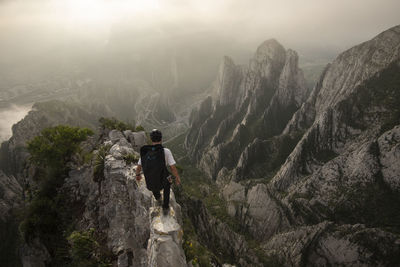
(138, 170)
(175, 173)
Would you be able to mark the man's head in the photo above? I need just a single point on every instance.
(156, 136)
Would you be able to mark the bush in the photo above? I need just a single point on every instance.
(131, 158)
(45, 216)
(55, 146)
(139, 128)
(85, 250)
(111, 124)
(98, 173)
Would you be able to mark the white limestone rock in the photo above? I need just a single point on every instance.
(389, 147)
(115, 136)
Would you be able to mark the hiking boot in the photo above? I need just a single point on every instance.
(165, 211)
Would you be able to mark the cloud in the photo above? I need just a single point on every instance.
(31, 30)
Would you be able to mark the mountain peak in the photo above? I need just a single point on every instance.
(269, 49)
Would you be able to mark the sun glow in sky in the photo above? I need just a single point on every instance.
(336, 23)
(100, 10)
(78, 13)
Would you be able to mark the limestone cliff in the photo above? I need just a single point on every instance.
(331, 201)
(313, 179)
(250, 102)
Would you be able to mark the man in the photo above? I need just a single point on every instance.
(155, 159)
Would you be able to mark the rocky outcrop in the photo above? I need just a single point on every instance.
(165, 243)
(251, 102)
(125, 212)
(137, 139)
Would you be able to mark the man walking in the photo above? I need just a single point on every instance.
(154, 160)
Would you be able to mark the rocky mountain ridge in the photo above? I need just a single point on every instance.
(250, 102)
(327, 177)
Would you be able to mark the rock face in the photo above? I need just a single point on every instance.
(137, 139)
(251, 102)
(217, 236)
(10, 195)
(327, 171)
(124, 210)
(165, 242)
(121, 210)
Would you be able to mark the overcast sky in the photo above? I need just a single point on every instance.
(331, 25)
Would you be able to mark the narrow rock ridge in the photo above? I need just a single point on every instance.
(121, 210)
(165, 242)
(138, 219)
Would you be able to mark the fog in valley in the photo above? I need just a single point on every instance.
(8, 117)
(110, 52)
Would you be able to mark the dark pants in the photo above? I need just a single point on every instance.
(167, 188)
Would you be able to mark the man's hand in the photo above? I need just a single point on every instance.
(175, 173)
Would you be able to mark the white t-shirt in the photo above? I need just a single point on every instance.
(169, 159)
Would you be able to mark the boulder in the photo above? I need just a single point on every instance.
(115, 136)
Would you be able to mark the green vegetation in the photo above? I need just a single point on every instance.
(112, 123)
(196, 185)
(55, 146)
(85, 250)
(48, 215)
(177, 143)
(193, 249)
(139, 128)
(131, 158)
(98, 172)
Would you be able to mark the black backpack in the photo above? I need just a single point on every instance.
(153, 165)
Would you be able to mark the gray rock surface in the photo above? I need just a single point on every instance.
(137, 139)
(115, 136)
(124, 210)
(389, 147)
(10, 195)
(336, 157)
(165, 242)
(250, 102)
(327, 244)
